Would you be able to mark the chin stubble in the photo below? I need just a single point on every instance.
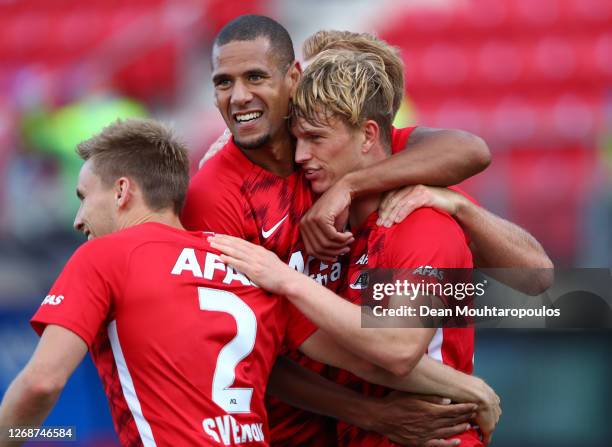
(252, 145)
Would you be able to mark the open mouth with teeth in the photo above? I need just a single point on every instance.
(247, 117)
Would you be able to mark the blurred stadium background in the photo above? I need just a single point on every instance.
(533, 77)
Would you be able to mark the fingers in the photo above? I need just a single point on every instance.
(329, 232)
(384, 204)
(324, 241)
(316, 247)
(449, 422)
(306, 237)
(408, 206)
(236, 263)
(455, 410)
(402, 210)
(434, 399)
(401, 204)
(319, 227)
(325, 230)
(332, 239)
(388, 205)
(449, 431)
(226, 238)
(233, 247)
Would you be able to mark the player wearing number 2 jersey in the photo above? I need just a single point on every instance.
(152, 302)
(183, 344)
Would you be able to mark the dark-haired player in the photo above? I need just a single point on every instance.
(151, 301)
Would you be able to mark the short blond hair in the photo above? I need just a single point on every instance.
(145, 150)
(348, 85)
(365, 43)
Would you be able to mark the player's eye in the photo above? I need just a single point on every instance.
(223, 83)
(255, 77)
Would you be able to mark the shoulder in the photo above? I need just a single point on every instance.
(225, 166)
(426, 222)
(427, 236)
(214, 198)
(115, 245)
(96, 258)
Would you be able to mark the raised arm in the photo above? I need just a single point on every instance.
(438, 157)
(335, 315)
(495, 243)
(31, 396)
(404, 418)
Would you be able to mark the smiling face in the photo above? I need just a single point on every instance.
(95, 216)
(252, 91)
(327, 150)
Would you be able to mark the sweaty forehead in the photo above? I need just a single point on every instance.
(240, 55)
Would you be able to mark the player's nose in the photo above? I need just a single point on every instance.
(241, 94)
(78, 224)
(302, 152)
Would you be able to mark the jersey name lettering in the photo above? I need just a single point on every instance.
(188, 262)
(227, 431)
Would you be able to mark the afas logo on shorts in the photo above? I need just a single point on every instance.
(54, 300)
(428, 270)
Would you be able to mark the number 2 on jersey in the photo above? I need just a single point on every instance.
(232, 400)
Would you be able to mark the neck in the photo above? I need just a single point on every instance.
(365, 205)
(166, 217)
(362, 207)
(275, 156)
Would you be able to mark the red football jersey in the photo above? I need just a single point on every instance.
(426, 238)
(183, 343)
(232, 195)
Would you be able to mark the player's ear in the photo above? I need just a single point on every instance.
(371, 131)
(293, 76)
(123, 191)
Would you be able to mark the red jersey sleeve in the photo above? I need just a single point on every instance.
(80, 298)
(399, 138)
(299, 328)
